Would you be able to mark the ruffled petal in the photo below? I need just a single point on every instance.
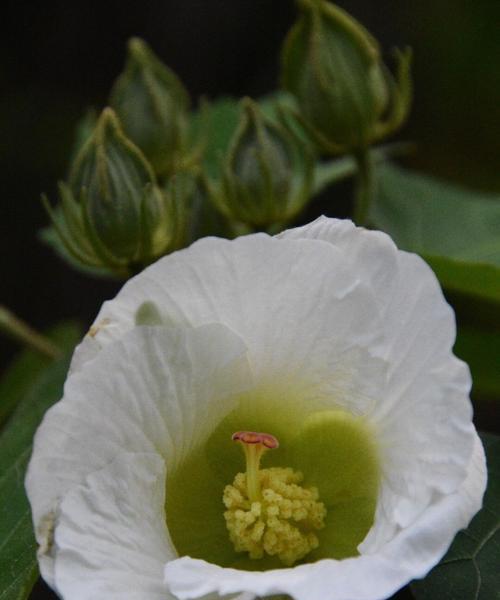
(295, 304)
(111, 539)
(423, 413)
(410, 554)
(157, 391)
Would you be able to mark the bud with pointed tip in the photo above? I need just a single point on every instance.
(113, 216)
(332, 65)
(267, 174)
(152, 105)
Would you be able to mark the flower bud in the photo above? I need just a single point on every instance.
(113, 215)
(197, 215)
(266, 176)
(346, 95)
(152, 105)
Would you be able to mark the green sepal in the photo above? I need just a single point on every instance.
(401, 95)
(105, 256)
(62, 230)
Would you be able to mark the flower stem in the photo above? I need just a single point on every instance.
(21, 331)
(364, 186)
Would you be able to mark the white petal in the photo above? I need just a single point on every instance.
(157, 391)
(111, 539)
(322, 300)
(289, 301)
(424, 413)
(91, 344)
(411, 554)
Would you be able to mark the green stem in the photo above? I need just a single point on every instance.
(21, 331)
(364, 186)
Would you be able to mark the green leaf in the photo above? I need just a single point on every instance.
(469, 571)
(17, 543)
(481, 351)
(25, 368)
(222, 116)
(332, 171)
(455, 230)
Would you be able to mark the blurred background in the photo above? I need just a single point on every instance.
(59, 58)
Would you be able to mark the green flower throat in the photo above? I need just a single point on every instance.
(314, 498)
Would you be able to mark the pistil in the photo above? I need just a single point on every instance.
(254, 445)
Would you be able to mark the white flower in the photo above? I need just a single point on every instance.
(326, 337)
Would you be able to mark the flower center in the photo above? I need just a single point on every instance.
(268, 511)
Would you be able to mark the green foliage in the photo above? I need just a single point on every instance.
(197, 217)
(40, 386)
(112, 215)
(332, 65)
(139, 188)
(481, 351)
(152, 105)
(469, 570)
(266, 172)
(222, 120)
(19, 377)
(329, 172)
(455, 230)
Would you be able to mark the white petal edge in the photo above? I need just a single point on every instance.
(255, 286)
(409, 555)
(424, 415)
(111, 539)
(156, 391)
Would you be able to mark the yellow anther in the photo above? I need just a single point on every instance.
(268, 511)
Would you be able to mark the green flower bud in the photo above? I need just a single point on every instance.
(152, 105)
(197, 215)
(346, 95)
(266, 176)
(113, 216)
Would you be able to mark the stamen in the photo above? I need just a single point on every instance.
(268, 511)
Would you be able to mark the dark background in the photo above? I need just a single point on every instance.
(59, 57)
